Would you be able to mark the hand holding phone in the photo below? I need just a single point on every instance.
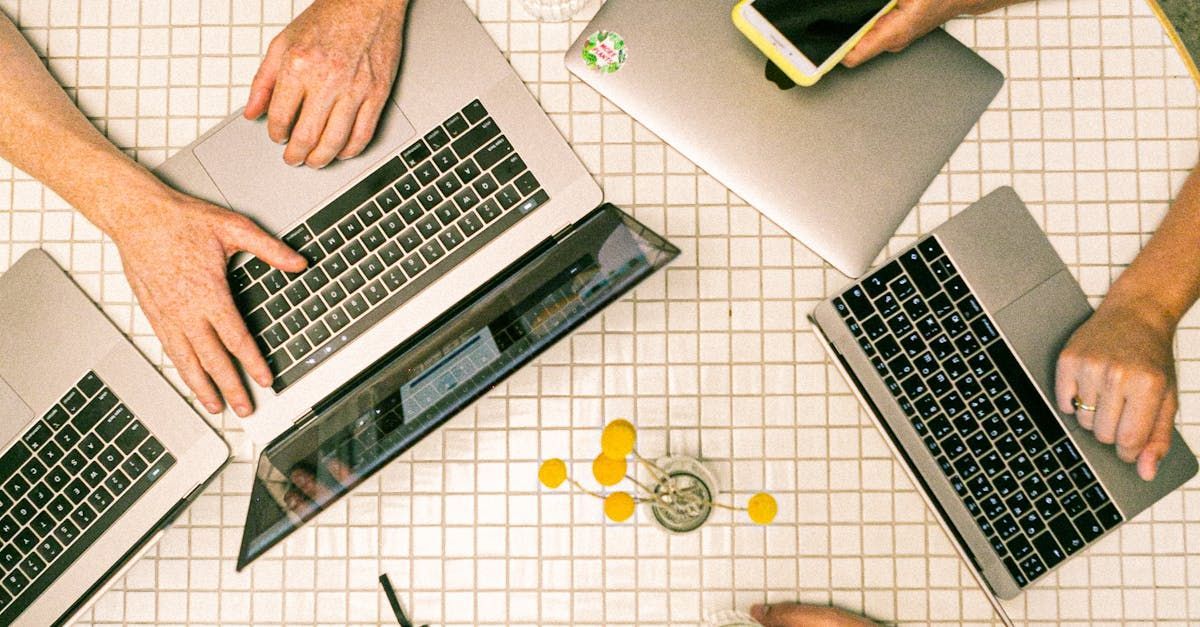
(807, 39)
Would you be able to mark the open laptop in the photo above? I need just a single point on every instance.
(952, 347)
(99, 452)
(838, 165)
(398, 323)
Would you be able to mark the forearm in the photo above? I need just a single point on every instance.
(45, 135)
(979, 7)
(1163, 282)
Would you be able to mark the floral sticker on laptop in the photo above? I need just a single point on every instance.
(605, 52)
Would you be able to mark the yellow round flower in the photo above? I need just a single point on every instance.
(762, 508)
(609, 471)
(618, 438)
(552, 473)
(618, 506)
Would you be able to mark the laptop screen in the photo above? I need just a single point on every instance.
(435, 374)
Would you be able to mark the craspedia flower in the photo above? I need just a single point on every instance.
(609, 471)
(762, 508)
(552, 473)
(618, 506)
(618, 439)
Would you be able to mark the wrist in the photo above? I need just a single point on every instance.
(119, 196)
(1149, 307)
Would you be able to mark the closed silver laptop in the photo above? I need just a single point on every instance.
(838, 165)
(952, 347)
(99, 452)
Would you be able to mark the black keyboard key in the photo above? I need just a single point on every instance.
(57, 417)
(527, 183)
(298, 237)
(94, 474)
(100, 499)
(437, 139)
(429, 226)
(33, 470)
(14, 458)
(375, 292)
(1005, 483)
(40, 494)
(1094, 495)
(1082, 477)
(114, 423)
(49, 549)
(466, 199)
(1047, 505)
(927, 407)
(1089, 528)
(475, 138)
(1066, 534)
(1006, 526)
(337, 319)
(877, 283)
(66, 532)
(1032, 524)
(887, 347)
(432, 251)
(416, 153)
(508, 169)
(274, 282)
(370, 269)
(456, 125)
(984, 330)
(467, 171)
(451, 237)
(94, 411)
(445, 160)
(1109, 517)
(980, 486)
(966, 467)
(317, 333)
(508, 197)
(151, 449)
(474, 111)
(992, 506)
(131, 437)
(60, 507)
(426, 173)
(448, 185)
(43, 524)
(393, 279)
(239, 279)
(939, 427)
(1019, 547)
(918, 270)
(494, 152)
(90, 384)
(299, 347)
(356, 305)
(83, 515)
(941, 305)
(10, 557)
(32, 566)
(116, 483)
(856, 299)
(76, 491)
(57, 478)
(315, 307)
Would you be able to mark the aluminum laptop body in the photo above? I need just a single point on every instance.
(75, 393)
(964, 397)
(449, 61)
(466, 240)
(838, 165)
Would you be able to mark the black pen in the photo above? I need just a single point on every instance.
(401, 617)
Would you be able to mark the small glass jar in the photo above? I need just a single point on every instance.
(553, 10)
(687, 494)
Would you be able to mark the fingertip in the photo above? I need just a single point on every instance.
(758, 612)
(212, 407)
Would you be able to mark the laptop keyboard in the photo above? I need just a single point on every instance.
(66, 481)
(378, 244)
(999, 444)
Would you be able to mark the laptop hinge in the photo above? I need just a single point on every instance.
(562, 233)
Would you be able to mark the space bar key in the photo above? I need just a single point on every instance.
(1033, 402)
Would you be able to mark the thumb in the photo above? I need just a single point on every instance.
(1160, 438)
(264, 82)
(891, 31)
(245, 235)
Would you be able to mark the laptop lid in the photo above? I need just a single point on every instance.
(429, 378)
(838, 165)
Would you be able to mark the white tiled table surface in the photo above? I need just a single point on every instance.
(1096, 128)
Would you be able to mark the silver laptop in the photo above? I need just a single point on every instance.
(952, 347)
(100, 453)
(398, 323)
(838, 165)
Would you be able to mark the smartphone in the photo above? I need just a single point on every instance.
(808, 38)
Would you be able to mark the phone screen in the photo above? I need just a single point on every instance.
(817, 28)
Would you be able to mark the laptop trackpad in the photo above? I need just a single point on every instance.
(249, 170)
(14, 413)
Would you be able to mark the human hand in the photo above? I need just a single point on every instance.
(911, 20)
(1121, 362)
(327, 77)
(800, 615)
(175, 250)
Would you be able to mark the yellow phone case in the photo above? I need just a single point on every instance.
(778, 58)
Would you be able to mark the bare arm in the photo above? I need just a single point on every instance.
(913, 19)
(1122, 360)
(174, 248)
